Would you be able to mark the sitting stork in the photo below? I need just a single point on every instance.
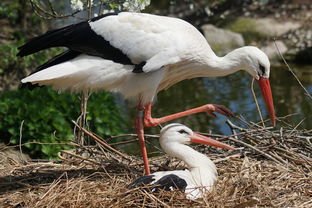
(201, 174)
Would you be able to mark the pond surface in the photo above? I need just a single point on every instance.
(234, 92)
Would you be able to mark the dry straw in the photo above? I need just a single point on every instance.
(270, 169)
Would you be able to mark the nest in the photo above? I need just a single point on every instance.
(271, 169)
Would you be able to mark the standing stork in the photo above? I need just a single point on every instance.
(139, 55)
(201, 174)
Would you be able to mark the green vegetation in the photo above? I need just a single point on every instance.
(45, 114)
(10, 62)
(13, 16)
(47, 118)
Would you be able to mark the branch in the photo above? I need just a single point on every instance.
(53, 15)
(256, 101)
(255, 149)
(78, 156)
(292, 72)
(107, 146)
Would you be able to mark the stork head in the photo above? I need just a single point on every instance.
(257, 64)
(178, 133)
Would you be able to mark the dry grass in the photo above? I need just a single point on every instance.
(278, 175)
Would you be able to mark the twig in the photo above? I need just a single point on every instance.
(292, 158)
(306, 138)
(277, 157)
(254, 148)
(80, 157)
(155, 198)
(296, 126)
(90, 9)
(292, 72)
(100, 7)
(233, 126)
(20, 141)
(54, 184)
(38, 10)
(83, 116)
(256, 101)
(41, 143)
(123, 142)
(232, 129)
(52, 8)
(107, 146)
(281, 134)
(135, 135)
(240, 133)
(106, 153)
(226, 158)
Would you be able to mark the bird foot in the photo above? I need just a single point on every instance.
(211, 108)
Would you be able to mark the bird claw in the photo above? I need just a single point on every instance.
(211, 108)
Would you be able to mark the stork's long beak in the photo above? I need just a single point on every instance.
(197, 138)
(266, 92)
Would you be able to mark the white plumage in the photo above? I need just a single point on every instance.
(201, 174)
(143, 37)
(169, 45)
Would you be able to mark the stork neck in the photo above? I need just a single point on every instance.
(202, 169)
(191, 157)
(222, 66)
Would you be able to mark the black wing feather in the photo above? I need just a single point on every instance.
(142, 181)
(168, 183)
(77, 37)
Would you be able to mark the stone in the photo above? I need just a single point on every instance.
(271, 51)
(262, 27)
(222, 41)
(271, 27)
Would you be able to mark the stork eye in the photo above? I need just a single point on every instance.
(262, 69)
(182, 131)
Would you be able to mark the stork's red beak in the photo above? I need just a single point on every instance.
(197, 138)
(266, 92)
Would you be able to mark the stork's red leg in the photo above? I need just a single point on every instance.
(150, 122)
(209, 108)
(139, 127)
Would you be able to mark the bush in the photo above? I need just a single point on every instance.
(47, 118)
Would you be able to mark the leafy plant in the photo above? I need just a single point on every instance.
(10, 62)
(47, 118)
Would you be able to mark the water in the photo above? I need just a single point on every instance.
(234, 92)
